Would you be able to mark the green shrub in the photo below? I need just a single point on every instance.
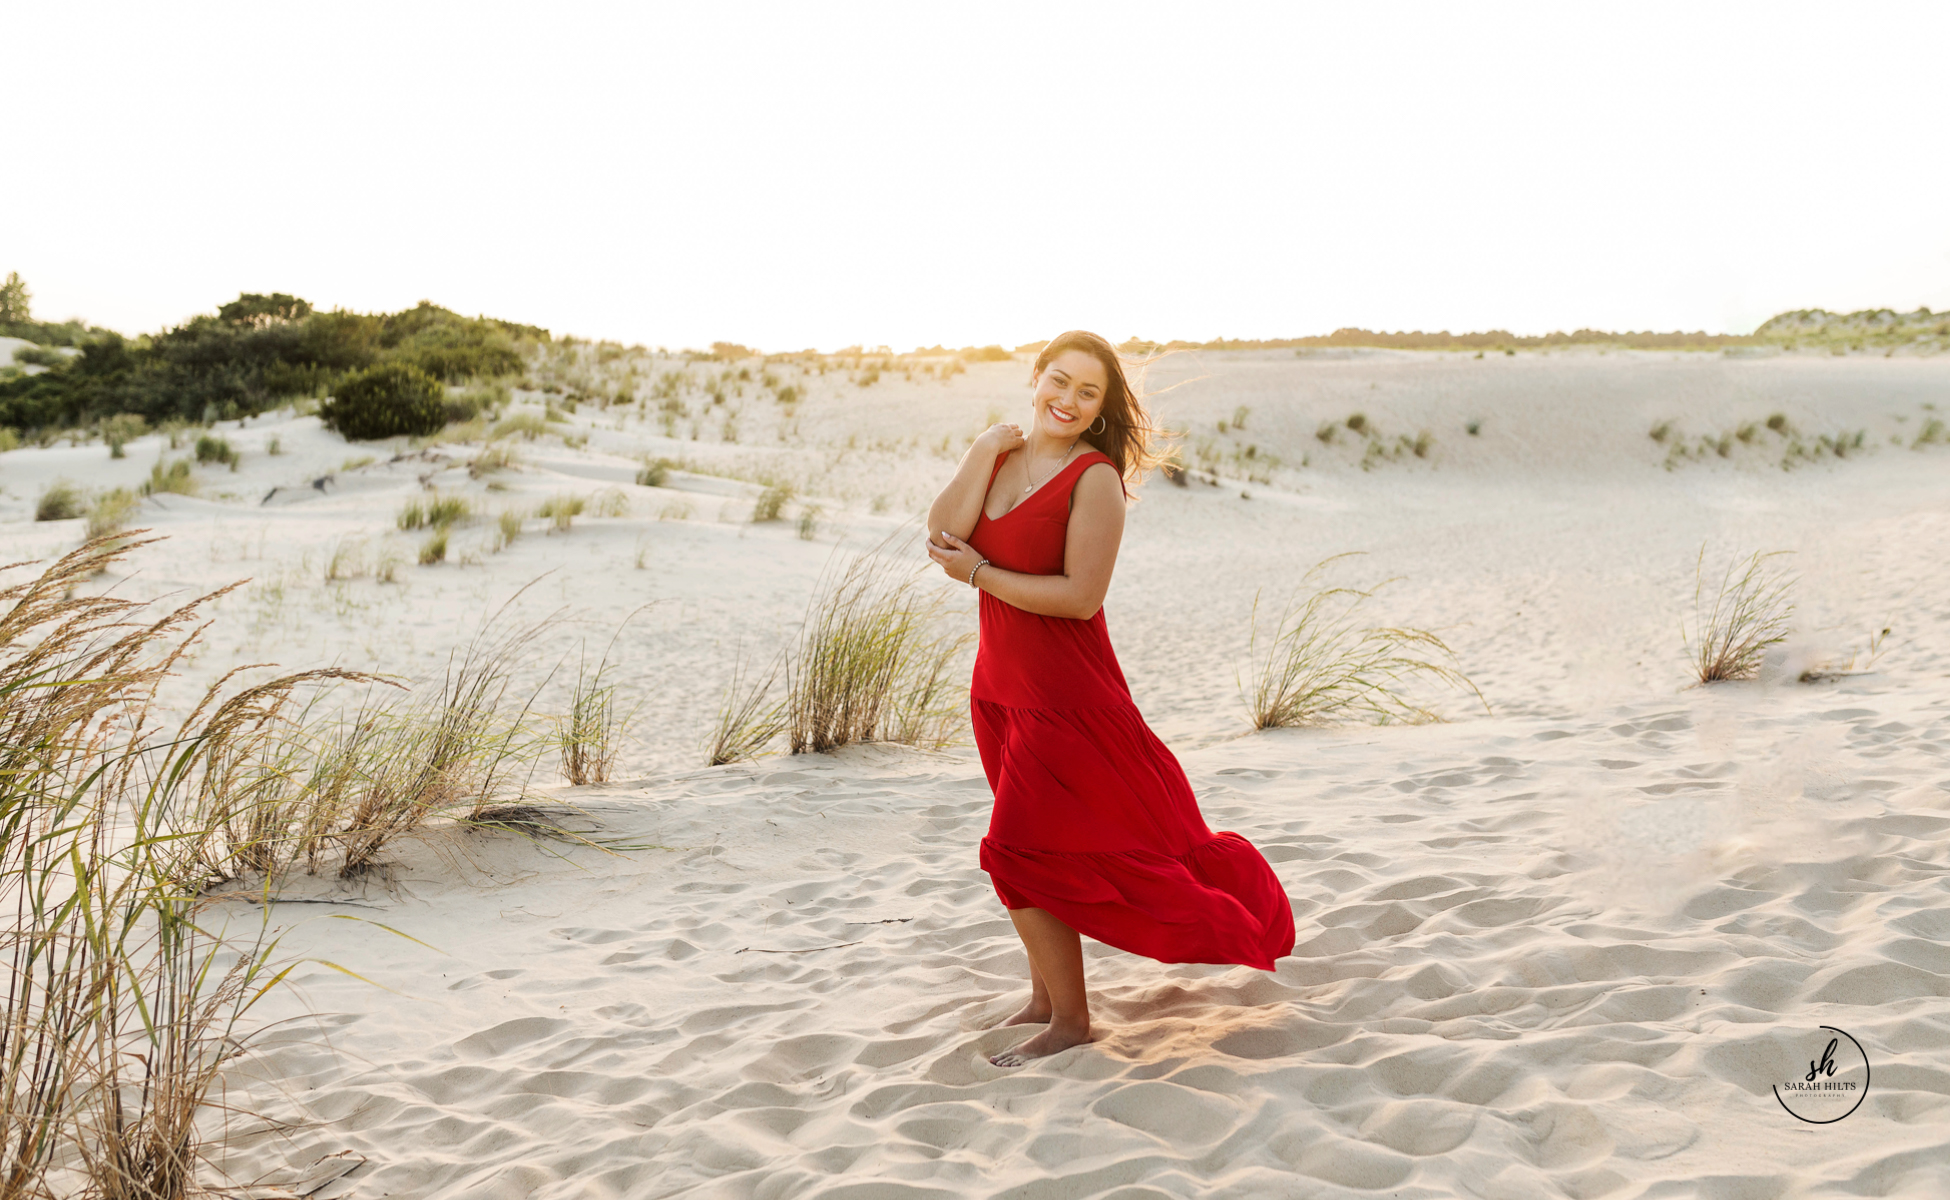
(40, 356)
(388, 400)
(215, 449)
(60, 502)
(435, 548)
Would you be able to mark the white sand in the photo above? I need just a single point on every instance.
(1563, 950)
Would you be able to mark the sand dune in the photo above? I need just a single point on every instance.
(1563, 949)
(1537, 958)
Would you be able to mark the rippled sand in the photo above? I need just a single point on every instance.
(1562, 949)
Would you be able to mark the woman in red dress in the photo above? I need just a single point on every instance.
(1095, 830)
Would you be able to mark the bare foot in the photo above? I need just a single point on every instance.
(1054, 1040)
(1031, 1013)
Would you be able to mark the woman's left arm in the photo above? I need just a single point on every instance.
(1089, 555)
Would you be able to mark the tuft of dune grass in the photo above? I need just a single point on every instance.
(526, 424)
(561, 510)
(435, 511)
(213, 449)
(172, 478)
(611, 502)
(507, 528)
(1317, 663)
(749, 717)
(60, 501)
(589, 737)
(871, 663)
(771, 502)
(111, 512)
(1737, 619)
(498, 456)
(122, 1006)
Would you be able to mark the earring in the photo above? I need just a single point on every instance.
(1099, 421)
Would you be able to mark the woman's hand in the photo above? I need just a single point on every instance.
(955, 557)
(1001, 438)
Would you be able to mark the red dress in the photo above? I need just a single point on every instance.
(1094, 820)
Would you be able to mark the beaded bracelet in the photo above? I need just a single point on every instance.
(971, 571)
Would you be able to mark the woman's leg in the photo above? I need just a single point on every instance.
(1056, 980)
(1037, 1011)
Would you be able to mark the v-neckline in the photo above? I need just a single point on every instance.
(1038, 490)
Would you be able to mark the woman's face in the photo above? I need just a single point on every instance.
(1070, 394)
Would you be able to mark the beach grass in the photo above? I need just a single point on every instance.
(59, 501)
(526, 424)
(749, 717)
(1738, 618)
(1318, 663)
(590, 735)
(170, 479)
(611, 502)
(111, 512)
(497, 456)
(771, 502)
(121, 1007)
(871, 663)
(121, 429)
(400, 761)
(507, 528)
(434, 511)
(653, 473)
(561, 510)
(348, 560)
(213, 449)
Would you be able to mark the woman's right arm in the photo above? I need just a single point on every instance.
(958, 506)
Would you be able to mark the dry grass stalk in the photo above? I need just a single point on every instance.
(119, 1008)
(1319, 665)
(256, 811)
(749, 717)
(870, 664)
(1747, 612)
(400, 764)
(591, 735)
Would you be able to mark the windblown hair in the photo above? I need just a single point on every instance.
(1128, 433)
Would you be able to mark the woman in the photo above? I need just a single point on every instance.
(1095, 830)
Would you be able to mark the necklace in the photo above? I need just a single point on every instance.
(1034, 482)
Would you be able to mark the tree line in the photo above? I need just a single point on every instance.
(255, 353)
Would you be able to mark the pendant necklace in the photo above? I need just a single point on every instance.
(1035, 483)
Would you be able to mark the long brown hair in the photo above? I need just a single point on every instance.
(1128, 431)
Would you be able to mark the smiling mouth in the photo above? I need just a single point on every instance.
(1060, 415)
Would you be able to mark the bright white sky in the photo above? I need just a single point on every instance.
(798, 174)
